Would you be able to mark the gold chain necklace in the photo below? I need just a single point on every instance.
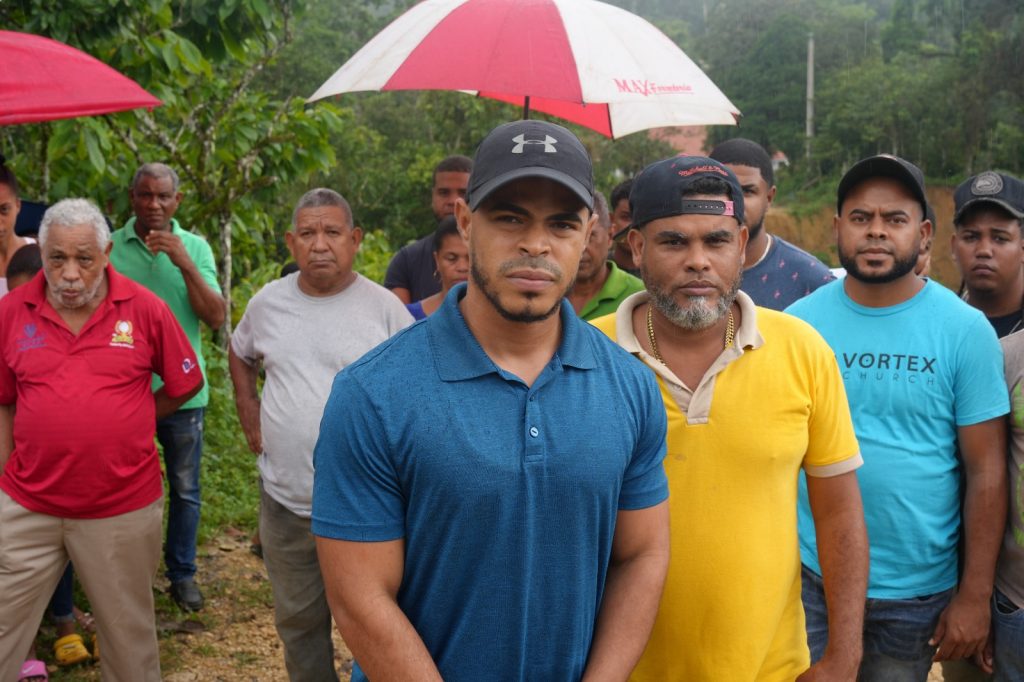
(730, 332)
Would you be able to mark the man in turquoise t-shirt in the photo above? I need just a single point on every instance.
(923, 374)
(177, 266)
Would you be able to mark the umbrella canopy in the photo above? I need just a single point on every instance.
(581, 60)
(43, 80)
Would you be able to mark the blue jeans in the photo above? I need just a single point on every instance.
(62, 603)
(1008, 628)
(896, 632)
(181, 435)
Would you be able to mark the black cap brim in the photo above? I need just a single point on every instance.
(481, 193)
(882, 167)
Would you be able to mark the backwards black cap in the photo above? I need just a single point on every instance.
(658, 190)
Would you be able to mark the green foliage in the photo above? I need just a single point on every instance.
(374, 255)
(229, 475)
(232, 144)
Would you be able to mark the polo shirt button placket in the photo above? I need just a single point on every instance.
(534, 444)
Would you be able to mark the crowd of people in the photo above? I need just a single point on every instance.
(569, 438)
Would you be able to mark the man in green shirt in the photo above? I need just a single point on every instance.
(600, 285)
(176, 265)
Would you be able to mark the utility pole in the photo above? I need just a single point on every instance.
(810, 96)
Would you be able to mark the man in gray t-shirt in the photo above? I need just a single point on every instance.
(1008, 602)
(303, 328)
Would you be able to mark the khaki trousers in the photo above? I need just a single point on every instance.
(115, 560)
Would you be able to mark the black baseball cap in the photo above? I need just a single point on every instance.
(990, 187)
(884, 166)
(530, 149)
(658, 190)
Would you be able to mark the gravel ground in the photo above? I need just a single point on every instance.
(234, 639)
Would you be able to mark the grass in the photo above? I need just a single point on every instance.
(229, 477)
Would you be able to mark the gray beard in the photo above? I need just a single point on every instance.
(699, 314)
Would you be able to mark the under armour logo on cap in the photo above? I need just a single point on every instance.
(987, 183)
(539, 149)
(521, 141)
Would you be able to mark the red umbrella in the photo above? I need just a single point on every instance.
(43, 80)
(586, 61)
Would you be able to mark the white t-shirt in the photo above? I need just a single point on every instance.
(303, 342)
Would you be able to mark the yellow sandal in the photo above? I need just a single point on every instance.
(70, 650)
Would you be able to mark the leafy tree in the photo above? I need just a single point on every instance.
(232, 144)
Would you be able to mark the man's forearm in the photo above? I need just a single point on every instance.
(843, 555)
(244, 377)
(208, 304)
(361, 581)
(632, 591)
(384, 642)
(985, 504)
(628, 609)
(167, 405)
(984, 452)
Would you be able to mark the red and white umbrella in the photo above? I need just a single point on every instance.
(581, 60)
(43, 80)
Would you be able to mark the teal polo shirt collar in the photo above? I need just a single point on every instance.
(459, 356)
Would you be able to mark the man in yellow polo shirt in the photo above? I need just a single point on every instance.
(753, 396)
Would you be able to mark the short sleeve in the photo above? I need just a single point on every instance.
(356, 492)
(8, 383)
(645, 484)
(832, 447)
(243, 339)
(980, 385)
(174, 361)
(399, 317)
(397, 274)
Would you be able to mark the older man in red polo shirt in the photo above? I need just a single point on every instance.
(81, 477)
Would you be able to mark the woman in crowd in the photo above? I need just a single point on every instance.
(10, 205)
(451, 258)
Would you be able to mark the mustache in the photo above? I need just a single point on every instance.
(63, 287)
(531, 263)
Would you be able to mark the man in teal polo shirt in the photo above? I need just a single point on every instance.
(176, 265)
(600, 285)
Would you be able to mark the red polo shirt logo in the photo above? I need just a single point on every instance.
(122, 336)
(31, 339)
